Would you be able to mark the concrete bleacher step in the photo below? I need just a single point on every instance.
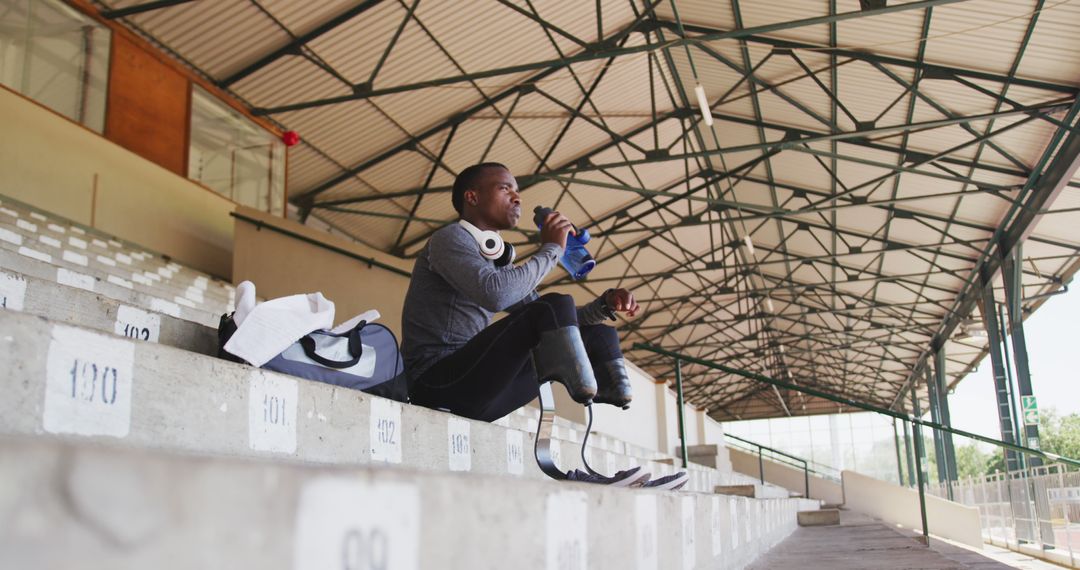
(737, 490)
(153, 300)
(703, 477)
(607, 452)
(85, 309)
(71, 305)
(72, 382)
(527, 418)
(819, 517)
(187, 294)
(44, 237)
(96, 507)
(746, 486)
(66, 304)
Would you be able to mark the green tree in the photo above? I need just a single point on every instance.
(1057, 434)
(971, 461)
(1060, 434)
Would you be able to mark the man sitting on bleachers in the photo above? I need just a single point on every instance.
(465, 274)
(456, 360)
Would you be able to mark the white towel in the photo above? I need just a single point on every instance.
(265, 330)
(370, 316)
(245, 301)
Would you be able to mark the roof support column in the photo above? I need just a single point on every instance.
(1002, 386)
(1011, 271)
(941, 392)
(935, 415)
(1013, 275)
(908, 456)
(920, 462)
(899, 461)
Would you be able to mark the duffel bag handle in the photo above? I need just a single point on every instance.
(356, 350)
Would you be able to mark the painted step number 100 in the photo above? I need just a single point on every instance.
(87, 376)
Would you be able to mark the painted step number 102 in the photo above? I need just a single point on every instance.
(87, 376)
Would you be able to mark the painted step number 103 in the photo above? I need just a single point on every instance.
(86, 377)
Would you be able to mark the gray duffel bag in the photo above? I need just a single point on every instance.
(364, 358)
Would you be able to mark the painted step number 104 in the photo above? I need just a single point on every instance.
(86, 377)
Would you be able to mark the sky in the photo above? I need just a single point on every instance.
(1054, 354)
(1052, 333)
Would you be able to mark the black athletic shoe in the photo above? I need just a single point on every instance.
(669, 483)
(629, 478)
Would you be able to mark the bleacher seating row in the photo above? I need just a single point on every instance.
(74, 378)
(122, 509)
(90, 261)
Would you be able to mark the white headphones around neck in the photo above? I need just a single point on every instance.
(491, 244)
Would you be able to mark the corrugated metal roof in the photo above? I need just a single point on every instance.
(861, 246)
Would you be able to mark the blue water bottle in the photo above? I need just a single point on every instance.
(575, 259)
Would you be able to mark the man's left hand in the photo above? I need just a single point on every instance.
(622, 301)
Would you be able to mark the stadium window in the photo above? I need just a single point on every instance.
(235, 157)
(57, 57)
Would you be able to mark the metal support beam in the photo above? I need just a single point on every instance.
(1010, 377)
(1013, 295)
(920, 465)
(600, 51)
(915, 419)
(140, 8)
(1012, 275)
(899, 462)
(682, 425)
(908, 455)
(298, 44)
(941, 386)
(988, 308)
(939, 445)
(871, 57)
(1057, 165)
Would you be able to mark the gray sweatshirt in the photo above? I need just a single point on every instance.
(454, 293)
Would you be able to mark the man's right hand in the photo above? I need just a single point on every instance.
(555, 229)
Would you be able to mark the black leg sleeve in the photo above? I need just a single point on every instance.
(601, 342)
(492, 375)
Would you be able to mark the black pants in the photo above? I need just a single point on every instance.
(493, 375)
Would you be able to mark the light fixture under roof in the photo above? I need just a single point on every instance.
(971, 329)
(703, 102)
(749, 244)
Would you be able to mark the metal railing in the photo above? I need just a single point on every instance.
(779, 457)
(1038, 506)
(916, 422)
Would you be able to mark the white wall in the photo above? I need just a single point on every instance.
(54, 164)
(713, 430)
(281, 265)
(692, 420)
(714, 434)
(900, 505)
(637, 425)
(670, 420)
(788, 477)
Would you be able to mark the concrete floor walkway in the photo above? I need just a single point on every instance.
(862, 542)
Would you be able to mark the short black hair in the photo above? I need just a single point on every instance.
(467, 179)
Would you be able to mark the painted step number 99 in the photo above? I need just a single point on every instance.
(364, 550)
